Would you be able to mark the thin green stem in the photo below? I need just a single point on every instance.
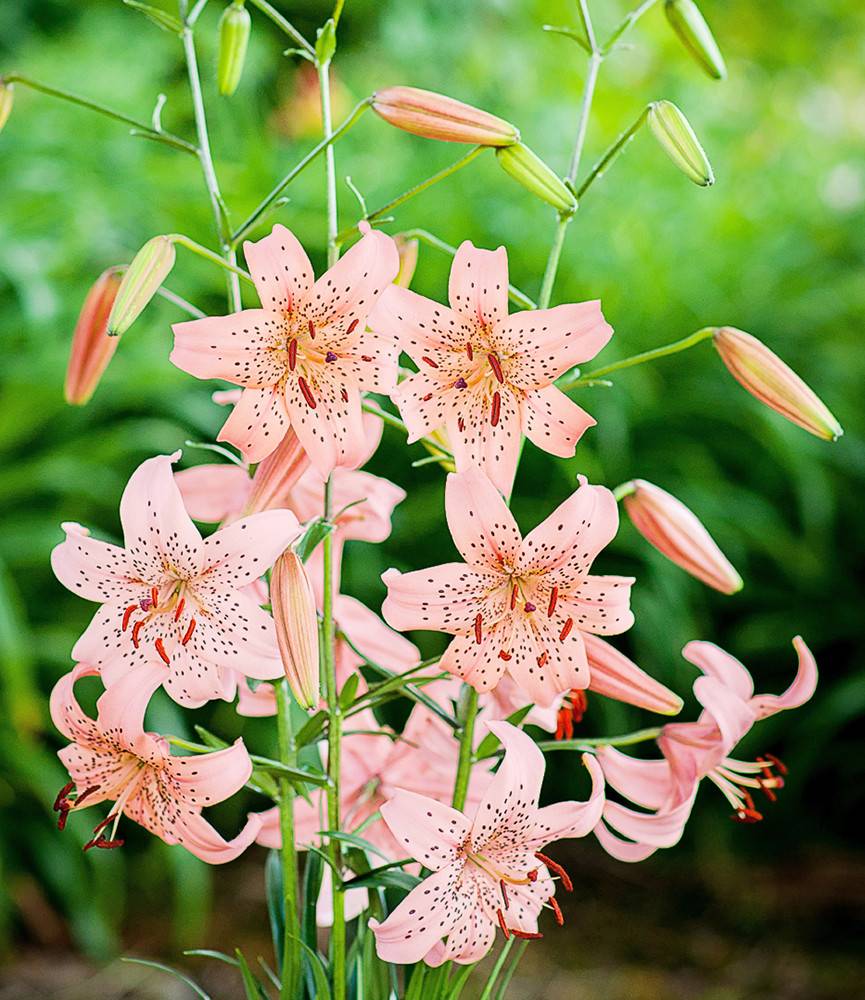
(268, 201)
(626, 24)
(291, 960)
(180, 302)
(640, 359)
(463, 161)
(626, 740)
(612, 153)
(496, 969)
(143, 128)
(511, 969)
(465, 734)
(516, 296)
(284, 25)
(210, 255)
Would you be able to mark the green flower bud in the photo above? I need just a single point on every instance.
(7, 96)
(534, 175)
(676, 137)
(145, 274)
(234, 26)
(689, 24)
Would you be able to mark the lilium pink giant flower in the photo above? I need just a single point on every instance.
(168, 597)
(487, 872)
(516, 604)
(486, 375)
(305, 356)
(112, 759)
(696, 750)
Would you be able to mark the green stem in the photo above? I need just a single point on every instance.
(147, 131)
(639, 359)
(514, 294)
(291, 960)
(613, 153)
(180, 302)
(512, 968)
(465, 734)
(210, 255)
(284, 25)
(626, 24)
(628, 739)
(496, 969)
(268, 202)
(463, 161)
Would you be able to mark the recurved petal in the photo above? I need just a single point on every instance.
(800, 690)
(199, 838)
(207, 778)
(427, 830)
(572, 819)
(657, 829)
(120, 710)
(716, 662)
(733, 716)
(622, 850)
(482, 526)
(66, 714)
(648, 783)
(280, 269)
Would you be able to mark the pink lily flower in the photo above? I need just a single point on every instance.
(112, 759)
(305, 357)
(696, 750)
(516, 605)
(172, 599)
(486, 375)
(487, 872)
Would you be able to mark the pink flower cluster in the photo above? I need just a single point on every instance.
(528, 614)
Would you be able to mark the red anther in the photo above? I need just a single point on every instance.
(83, 795)
(560, 725)
(554, 866)
(427, 397)
(504, 890)
(189, 630)
(542, 659)
(478, 628)
(532, 876)
(161, 650)
(366, 357)
(100, 826)
(551, 607)
(469, 352)
(311, 327)
(154, 597)
(461, 383)
(330, 357)
(136, 628)
(513, 597)
(747, 816)
(60, 802)
(564, 724)
(430, 362)
(306, 392)
(770, 795)
(461, 424)
(504, 655)
(292, 355)
(352, 325)
(497, 409)
(178, 611)
(749, 801)
(528, 606)
(103, 843)
(64, 815)
(566, 629)
(502, 924)
(557, 911)
(525, 935)
(579, 704)
(782, 767)
(127, 614)
(496, 366)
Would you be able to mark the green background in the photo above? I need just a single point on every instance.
(775, 247)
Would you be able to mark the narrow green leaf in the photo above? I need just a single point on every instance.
(349, 691)
(319, 972)
(316, 531)
(251, 986)
(191, 983)
(294, 773)
(311, 888)
(220, 956)
(161, 18)
(455, 986)
(275, 911)
(354, 840)
(210, 739)
(386, 877)
(310, 730)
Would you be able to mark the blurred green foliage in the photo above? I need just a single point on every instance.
(776, 247)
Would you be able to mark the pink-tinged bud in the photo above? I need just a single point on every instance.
(7, 97)
(434, 116)
(92, 348)
(774, 383)
(677, 533)
(615, 676)
(408, 250)
(277, 474)
(149, 268)
(293, 603)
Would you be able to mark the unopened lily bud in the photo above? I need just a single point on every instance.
(92, 348)
(689, 24)
(434, 443)
(678, 140)
(293, 603)
(234, 27)
(675, 531)
(145, 274)
(613, 675)
(434, 116)
(774, 383)
(534, 175)
(7, 97)
(277, 474)
(408, 250)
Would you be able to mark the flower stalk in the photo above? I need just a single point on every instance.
(291, 962)
(468, 710)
